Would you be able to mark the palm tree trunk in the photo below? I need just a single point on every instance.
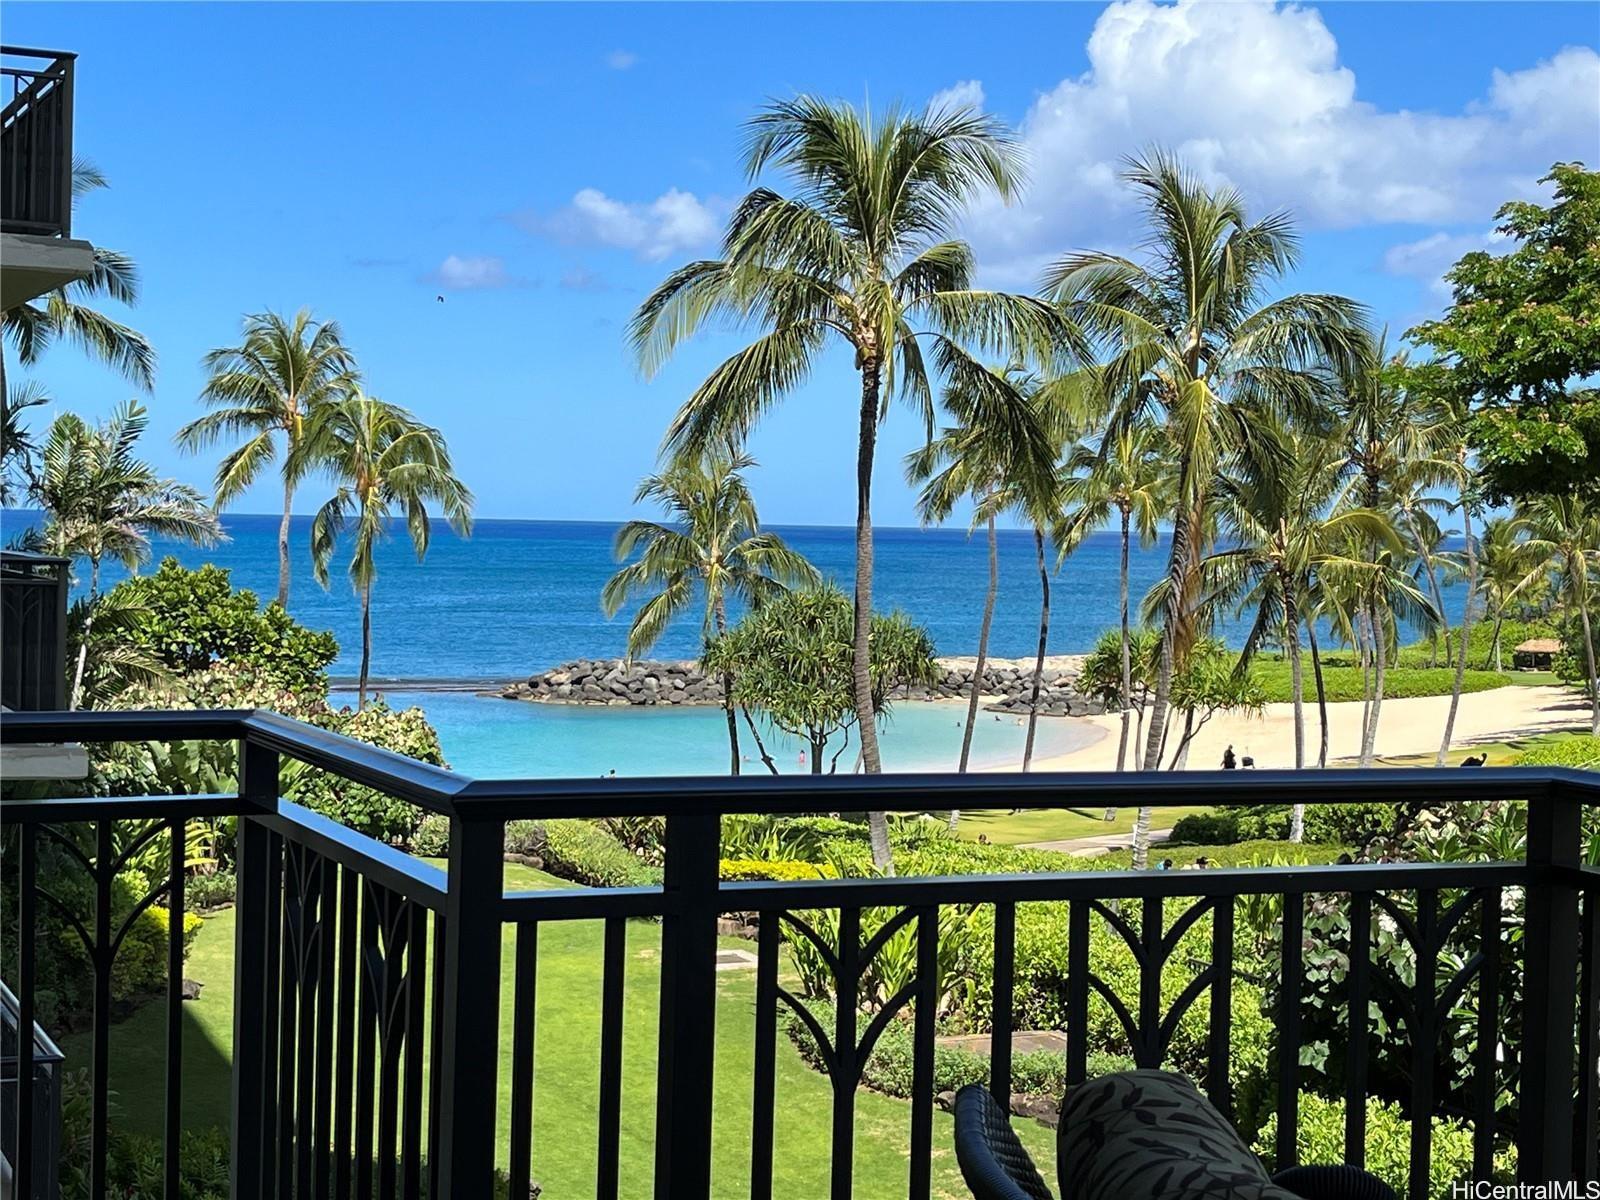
(1044, 637)
(1588, 649)
(366, 644)
(76, 698)
(1322, 693)
(1466, 630)
(720, 616)
(761, 746)
(1297, 687)
(1127, 656)
(1177, 568)
(1380, 647)
(1494, 642)
(283, 545)
(982, 661)
(861, 650)
(1141, 839)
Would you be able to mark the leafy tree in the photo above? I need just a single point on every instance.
(861, 252)
(1194, 338)
(194, 620)
(33, 326)
(712, 544)
(276, 381)
(1521, 337)
(387, 464)
(101, 501)
(997, 468)
(791, 659)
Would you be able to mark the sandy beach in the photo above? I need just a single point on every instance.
(1406, 727)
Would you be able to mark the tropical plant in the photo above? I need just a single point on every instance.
(1564, 538)
(1192, 336)
(101, 501)
(712, 543)
(275, 381)
(33, 326)
(860, 252)
(791, 660)
(18, 451)
(1507, 573)
(387, 464)
(997, 468)
(1126, 475)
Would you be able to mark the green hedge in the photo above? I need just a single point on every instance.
(1345, 683)
(781, 870)
(1579, 750)
(584, 853)
(1330, 824)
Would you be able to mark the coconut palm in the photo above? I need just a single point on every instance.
(273, 382)
(1564, 539)
(1125, 474)
(712, 543)
(1192, 336)
(387, 464)
(18, 451)
(102, 502)
(860, 253)
(997, 468)
(1469, 500)
(33, 326)
(1507, 573)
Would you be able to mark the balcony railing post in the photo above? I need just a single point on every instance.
(1550, 991)
(258, 788)
(469, 1012)
(686, 1058)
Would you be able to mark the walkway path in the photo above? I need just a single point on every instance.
(1100, 843)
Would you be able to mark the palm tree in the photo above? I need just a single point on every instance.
(100, 502)
(1506, 572)
(1284, 534)
(18, 451)
(1564, 537)
(1192, 335)
(860, 253)
(387, 464)
(1125, 474)
(35, 325)
(996, 467)
(1469, 499)
(713, 541)
(275, 381)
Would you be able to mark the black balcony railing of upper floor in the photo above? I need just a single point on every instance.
(368, 984)
(36, 141)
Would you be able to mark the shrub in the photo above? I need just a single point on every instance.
(1320, 1139)
(1206, 829)
(780, 870)
(431, 838)
(1254, 853)
(523, 837)
(1327, 824)
(210, 890)
(368, 810)
(1580, 750)
(585, 853)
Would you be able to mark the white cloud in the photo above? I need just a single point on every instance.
(621, 60)
(672, 223)
(1427, 259)
(471, 273)
(1253, 94)
(966, 94)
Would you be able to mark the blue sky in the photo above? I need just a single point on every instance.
(541, 167)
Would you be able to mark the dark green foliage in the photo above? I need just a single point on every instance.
(1579, 750)
(196, 619)
(210, 890)
(1327, 824)
(364, 809)
(585, 853)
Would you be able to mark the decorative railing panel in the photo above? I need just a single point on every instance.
(36, 142)
(368, 1006)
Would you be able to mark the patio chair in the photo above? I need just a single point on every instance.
(1137, 1135)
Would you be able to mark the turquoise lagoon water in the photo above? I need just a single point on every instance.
(491, 738)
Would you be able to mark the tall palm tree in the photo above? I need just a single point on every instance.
(1126, 475)
(274, 381)
(712, 542)
(1564, 538)
(65, 314)
(1283, 534)
(860, 253)
(1193, 336)
(387, 464)
(1507, 572)
(19, 453)
(101, 501)
(994, 467)
(1469, 499)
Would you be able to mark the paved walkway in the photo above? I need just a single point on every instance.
(1100, 843)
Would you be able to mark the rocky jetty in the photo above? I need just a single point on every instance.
(1007, 682)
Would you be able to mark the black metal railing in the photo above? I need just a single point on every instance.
(367, 1020)
(36, 141)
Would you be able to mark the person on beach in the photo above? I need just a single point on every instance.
(802, 758)
(1228, 760)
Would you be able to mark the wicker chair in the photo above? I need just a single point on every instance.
(1137, 1135)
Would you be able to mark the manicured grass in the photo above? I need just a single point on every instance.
(1056, 824)
(1345, 683)
(1501, 754)
(567, 1072)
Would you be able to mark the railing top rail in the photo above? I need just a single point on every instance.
(452, 793)
(55, 56)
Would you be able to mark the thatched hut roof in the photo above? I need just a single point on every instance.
(1540, 646)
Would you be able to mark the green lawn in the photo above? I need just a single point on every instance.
(1053, 824)
(567, 1072)
(1501, 754)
